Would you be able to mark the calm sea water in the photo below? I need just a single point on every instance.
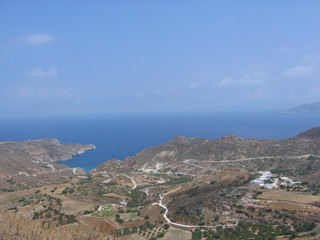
(122, 135)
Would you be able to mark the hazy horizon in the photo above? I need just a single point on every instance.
(62, 58)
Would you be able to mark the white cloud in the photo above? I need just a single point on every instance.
(226, 82)
(40, 73)
(193, 85)
(39, 38)
(298, 71)
(255, 78)
(43, 93)
(309, 66)
(138, 95)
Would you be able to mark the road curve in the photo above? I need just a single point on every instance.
(165, 215)
(132, 180)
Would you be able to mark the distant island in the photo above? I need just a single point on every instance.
(305, 108)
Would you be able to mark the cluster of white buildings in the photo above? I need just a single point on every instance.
(265, 180)
(285, 181)
(268, 181)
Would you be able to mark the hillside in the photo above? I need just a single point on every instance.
(197, 156)
(177, 190)
(32, 163)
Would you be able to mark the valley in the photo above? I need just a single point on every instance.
(184, 189)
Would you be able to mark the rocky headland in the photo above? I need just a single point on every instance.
(32, 163)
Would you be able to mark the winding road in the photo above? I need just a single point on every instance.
(132, 180)
(193, 162)
(165, 215)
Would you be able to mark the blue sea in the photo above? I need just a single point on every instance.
(118, 136)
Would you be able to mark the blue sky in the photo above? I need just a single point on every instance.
(91, 57)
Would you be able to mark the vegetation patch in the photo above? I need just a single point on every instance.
(104, 211)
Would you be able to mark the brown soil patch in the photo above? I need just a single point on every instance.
(114, 195)
(100, 224)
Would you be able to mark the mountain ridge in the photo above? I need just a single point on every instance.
(198, 156)
(305, 108)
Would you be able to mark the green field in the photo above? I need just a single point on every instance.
(105, 211)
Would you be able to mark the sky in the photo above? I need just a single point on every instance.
(69, 57)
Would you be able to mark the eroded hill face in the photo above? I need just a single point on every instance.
(32, 163)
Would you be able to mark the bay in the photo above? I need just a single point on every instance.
(118, 136)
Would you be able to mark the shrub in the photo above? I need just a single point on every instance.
(119, 220)
(166, 226)
(64, 191)
(160, 235)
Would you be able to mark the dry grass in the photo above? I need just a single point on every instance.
(104, 225)
(130, 216)
(14, 227)
(131, 237)
(177, 234)
(74, 206)
(289, 196)
(293, 206)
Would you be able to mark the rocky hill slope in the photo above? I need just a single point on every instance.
(24, 164)
(197, 156)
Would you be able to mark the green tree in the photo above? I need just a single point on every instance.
(126, 231)
(134, 230)
(197, 234)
